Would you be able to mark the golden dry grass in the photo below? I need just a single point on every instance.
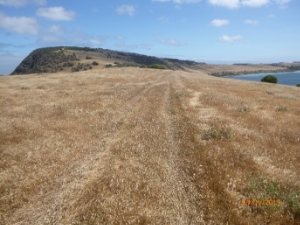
(142, 146)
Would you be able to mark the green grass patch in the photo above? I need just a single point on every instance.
(261, 188)
(181, 94)
(244, 109)
(217, 132)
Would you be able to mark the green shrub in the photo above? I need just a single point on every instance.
(108, 65)
(269, 79)
(95, 63)
(88, 57)
(298, 85)
(157, 66)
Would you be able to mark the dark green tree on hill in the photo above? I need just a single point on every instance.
(269, 79)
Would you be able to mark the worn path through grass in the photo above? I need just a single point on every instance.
(140, 146)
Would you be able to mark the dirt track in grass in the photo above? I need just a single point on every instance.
(142, 146)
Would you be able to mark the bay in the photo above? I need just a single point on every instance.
(289, 78)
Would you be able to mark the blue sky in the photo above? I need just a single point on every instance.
(211, 31)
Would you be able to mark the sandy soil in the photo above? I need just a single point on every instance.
(142, 146)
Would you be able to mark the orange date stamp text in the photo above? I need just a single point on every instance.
(260, 202)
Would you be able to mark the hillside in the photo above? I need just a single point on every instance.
(75, 59)
(143, 146)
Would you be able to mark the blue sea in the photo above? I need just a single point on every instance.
(291, 78)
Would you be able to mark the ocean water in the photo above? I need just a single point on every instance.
(291, 78)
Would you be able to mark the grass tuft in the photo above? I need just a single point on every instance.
(181, 94)
(244, 109)
(281, 109)
(217, 132)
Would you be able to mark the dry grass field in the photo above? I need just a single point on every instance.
(142, 146)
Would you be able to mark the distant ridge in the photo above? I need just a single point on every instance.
(74, 59)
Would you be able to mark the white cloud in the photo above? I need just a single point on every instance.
(178, 1)
(254, 3)
(225, 3)
(186, 1)
(19, 3)
(282, 2)
(14, 3)
(77, 35)
(56, 29)
(22, 25)
(126, 9)
(253, 22)
(172, 42)
(56, 13)
(271, 16)
(219, 23)
(230, 38)
(116, 37)
(95, 42)
(40, 2)
(237, 3)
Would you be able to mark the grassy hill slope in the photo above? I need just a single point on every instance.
(142, 146)
(74, 59)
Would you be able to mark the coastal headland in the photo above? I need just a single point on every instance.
(154, 142)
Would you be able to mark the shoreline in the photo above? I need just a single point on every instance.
(234, 74)
(291, 77)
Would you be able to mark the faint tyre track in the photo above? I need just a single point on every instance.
(190, 207)
(73, 178)
(77, 172)
(155, 169)
(150, 153)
